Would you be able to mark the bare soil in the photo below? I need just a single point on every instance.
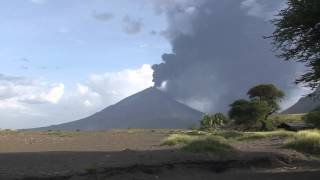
(137, 154)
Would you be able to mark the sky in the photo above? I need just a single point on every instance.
(62, 60)
(52, 50)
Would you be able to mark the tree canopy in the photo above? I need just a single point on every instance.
(268, 93)
(248, 112)
(297, 37)
(263, 101)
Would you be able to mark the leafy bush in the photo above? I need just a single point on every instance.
(307, 141)
(212, 122)
(249, 113)
(210, 144)
(268, 125)
(313, 117)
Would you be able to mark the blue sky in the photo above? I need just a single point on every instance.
(63, 40)
(74, 57)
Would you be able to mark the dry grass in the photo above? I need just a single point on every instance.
(176, 139)
(307, 141)
(281, 118)
(210, 144)
(263, 135)
(62, 133)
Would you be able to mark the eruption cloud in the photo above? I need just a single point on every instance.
(218, 53)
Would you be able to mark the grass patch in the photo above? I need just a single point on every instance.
(233, 135)
(210, 144)
(282, 118)
(61, 133)
(241, 136)
(307, 141)
(175, 139)
(196, 133)
(263, 135)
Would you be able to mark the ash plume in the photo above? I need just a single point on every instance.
(218, 53)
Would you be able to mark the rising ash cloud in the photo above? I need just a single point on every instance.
(218, 53)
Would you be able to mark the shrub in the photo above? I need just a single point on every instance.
(313, 117)
(212, 122)
(249, 113)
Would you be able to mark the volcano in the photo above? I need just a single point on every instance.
(150, 108)
(305, 104)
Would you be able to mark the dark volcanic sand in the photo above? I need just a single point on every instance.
(136, 154)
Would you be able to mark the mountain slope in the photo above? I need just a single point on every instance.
(305, 104)
(150, 108)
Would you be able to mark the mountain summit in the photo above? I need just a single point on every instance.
(150, 108)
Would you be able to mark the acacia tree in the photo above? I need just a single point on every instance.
(297, 37)
(264, 99)
(268, 93)
(248, 112)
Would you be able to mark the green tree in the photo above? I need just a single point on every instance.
(268, 93)
(249, 113)
(297, 37)
(211, 122)
(313, 117)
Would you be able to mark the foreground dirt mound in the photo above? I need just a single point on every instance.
(162, 164)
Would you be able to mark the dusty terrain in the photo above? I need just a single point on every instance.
(137, 154)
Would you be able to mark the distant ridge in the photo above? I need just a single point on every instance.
(305, 104)
(150, 108)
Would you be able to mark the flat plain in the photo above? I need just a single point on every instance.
(140, 154)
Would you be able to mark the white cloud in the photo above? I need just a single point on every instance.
(27, 102)
(118, 85)
(82, 89)
(27, 90)
(55, 94)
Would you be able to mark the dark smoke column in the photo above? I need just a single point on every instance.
(220, 57)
